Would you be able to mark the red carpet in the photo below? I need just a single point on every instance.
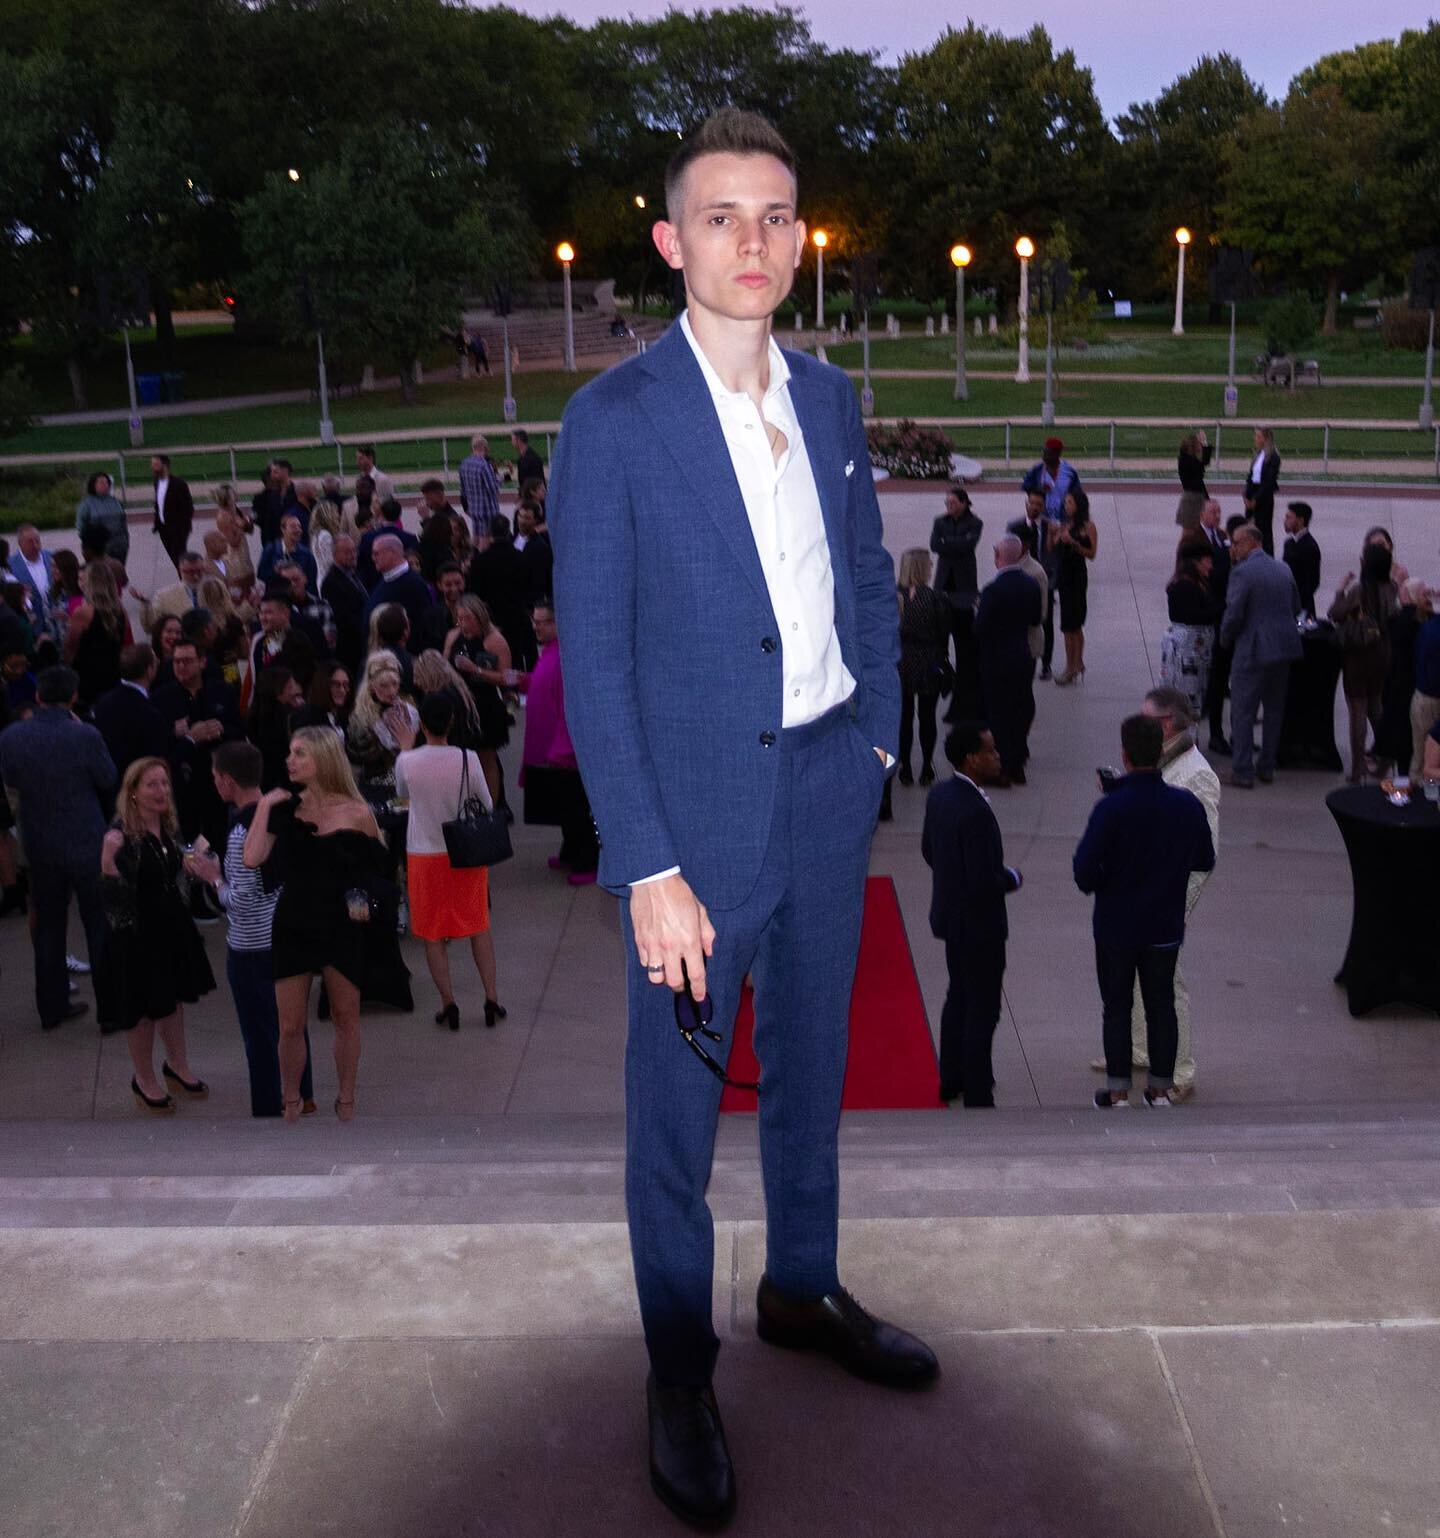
(892, 1063)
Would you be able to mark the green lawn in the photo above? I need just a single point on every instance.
(1142, 350)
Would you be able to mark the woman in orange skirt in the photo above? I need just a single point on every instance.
(445, 904)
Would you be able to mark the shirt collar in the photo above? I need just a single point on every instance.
(719, 391)
(971, 783)
(396, 572)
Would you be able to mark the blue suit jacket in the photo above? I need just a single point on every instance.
(672, 655)
(21, 573)
(961, 844)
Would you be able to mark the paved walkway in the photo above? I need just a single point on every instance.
(1221, 1321)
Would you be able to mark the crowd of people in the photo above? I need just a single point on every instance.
(275, 739)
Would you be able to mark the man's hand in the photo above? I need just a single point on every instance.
(671, 926)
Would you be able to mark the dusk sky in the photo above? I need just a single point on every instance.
(1134, 49)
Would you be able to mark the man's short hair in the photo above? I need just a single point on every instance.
(194, 623)
(479, 443)
(433, 484)
(1247, 530)
(390, 510)
(437, 711)
(189, 642)
(730, 131)
(391, 624)
(136, 661)
(163, 458)
(57, 686)
(1233, 522)
(1174, 703)
(1302, 510)
(26, 528)
(500, 527)
(522, 435)
(194, 555)
(963, 740)
(367, 449)
(240, 760)
(447, 569)
(1011, 546)
(1143, 740)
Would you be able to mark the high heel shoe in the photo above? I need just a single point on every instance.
(1065, 679)
(165, 1106)
(493, 1011)
(449, 1015)
(199, 1090)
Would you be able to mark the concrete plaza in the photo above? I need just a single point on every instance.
(1221, 1320)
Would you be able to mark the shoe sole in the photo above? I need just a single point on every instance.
(701, 1524)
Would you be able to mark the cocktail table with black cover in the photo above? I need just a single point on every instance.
(1394, 952)
(1307, 737)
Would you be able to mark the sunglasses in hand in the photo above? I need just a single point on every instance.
(693, 1019)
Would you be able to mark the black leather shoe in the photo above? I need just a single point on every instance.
(838, 1327)
(72, 1011)
(690, 1467)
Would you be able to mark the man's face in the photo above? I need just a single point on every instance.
(1292, 523)
(185, 663)
(1243, 547)
(1210, 515)
(524, 521)
(737, 237)
(191, 572)
(1034, 506)
(954, 506)
(30, 544)
(296, 578)
(983, 765)
(274, 615)
(290, 531)
(452, 585)
(157, 468)
(364, 463)
(279, 476)
(343, 553)
(544, 622)
(434, 500)
(1050, 458)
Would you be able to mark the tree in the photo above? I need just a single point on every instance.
(1167, 173)
(380, 289)
(996, 136)
(1310, 188)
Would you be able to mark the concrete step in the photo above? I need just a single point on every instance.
(563, 1169)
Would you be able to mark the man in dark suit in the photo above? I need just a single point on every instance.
(528, 464)
(954, 538)
(343, 590)
(1302, 554)
(277, 497)
(387, 520)
(961, 844)
(1143, 841)
(1260, 487)
(500, 579)
(1009, 607)
(1211, 516)
(289, 548)
(199, 716)
(398, 582)
(1036, 531)
(64, 779)
(174, 508)
(733, 698)
(1261, 604)
(126, 716)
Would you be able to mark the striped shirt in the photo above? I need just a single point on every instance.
(479, 491)
(249, 908)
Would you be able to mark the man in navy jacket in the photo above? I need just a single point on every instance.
(962, 846)
(1142, 843)
(1009, 607)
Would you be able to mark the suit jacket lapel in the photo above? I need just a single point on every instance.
(678, 402)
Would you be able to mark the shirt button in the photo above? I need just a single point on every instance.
(794, 627)
(797, 694)
(782, 555)
(749, 427)
(767, 739)
(767, 643)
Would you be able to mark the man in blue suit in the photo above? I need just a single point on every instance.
(727, 615)
(34, 569)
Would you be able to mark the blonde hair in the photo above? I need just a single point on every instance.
(374, 643)
(215, 596)
(225, 497)
(476, 606)
(1190, 444)
(367, 709)
(914, 569)
(434, 674)
(1267, 437)
(131, 822)
(98, 584)
(324, 515)
(333, 775)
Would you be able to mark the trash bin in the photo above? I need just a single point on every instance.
(149, 387)
(172, 387)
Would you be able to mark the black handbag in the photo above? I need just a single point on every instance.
(476, 836)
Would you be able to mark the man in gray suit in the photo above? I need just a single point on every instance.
(60, 769)
(1261, 606)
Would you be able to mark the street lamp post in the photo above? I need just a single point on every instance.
(1232, 392)
(960, 257)
(1182, 239)
(327, 427)
(566, 254)
(137, 424)
(821, 239)
(1427, 410)
(1024, 249)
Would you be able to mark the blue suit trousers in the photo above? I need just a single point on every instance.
(797, 934)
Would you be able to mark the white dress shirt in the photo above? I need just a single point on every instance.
(161, 487)
(786, 522)
(1258, 468)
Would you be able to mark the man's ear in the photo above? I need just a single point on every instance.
(667, 242)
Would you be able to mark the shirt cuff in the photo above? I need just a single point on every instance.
(659, 875)
(1015, 876)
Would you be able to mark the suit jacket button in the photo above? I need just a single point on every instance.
(767, 739)
(767, 643)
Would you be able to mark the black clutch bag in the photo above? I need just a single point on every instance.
(476, 835)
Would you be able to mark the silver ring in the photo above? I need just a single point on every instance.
(659, 967)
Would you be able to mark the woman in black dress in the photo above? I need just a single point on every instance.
(277, 697)
(1076, 541)
(1194, 458)
(328, 701)
(481, 656)
(924, 663)
(155, 949)
(325, 848)
(96, 632)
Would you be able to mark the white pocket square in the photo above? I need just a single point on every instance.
(849, 468)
